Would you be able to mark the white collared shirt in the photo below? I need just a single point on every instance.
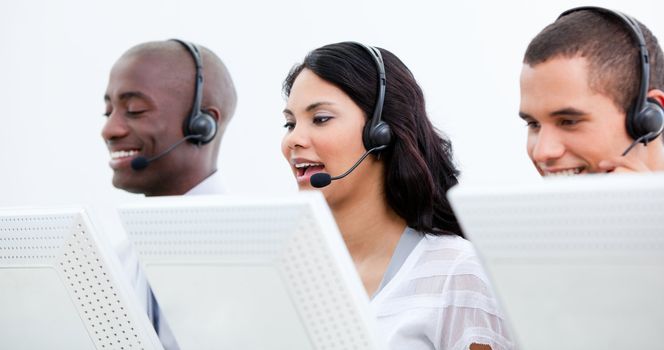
(213, 184)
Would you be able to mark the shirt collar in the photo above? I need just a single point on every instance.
(213, 184)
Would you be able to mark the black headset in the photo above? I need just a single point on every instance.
(199, 124)
(377, 134)
(645, 119)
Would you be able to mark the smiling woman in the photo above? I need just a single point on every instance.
(427, 285)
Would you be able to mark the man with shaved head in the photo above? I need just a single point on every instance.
(163, 140)
(149, 104)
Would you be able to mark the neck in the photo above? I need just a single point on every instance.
(653, 154)
(656, 154)
(177, 186)
(371, 231)
(366, 228)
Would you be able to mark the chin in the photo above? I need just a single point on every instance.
(127, 185)
(305, 187)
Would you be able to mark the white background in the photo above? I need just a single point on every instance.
(56, 56)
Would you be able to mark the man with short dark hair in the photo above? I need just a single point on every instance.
(149, 104)
(583, 99)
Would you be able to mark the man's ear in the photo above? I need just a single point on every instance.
(657, 95)
(216, 114)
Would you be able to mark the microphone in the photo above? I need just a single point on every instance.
(320, 180)
(643, 139)
(140, 162)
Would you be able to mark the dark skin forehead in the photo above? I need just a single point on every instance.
(171, 66)
(166, 70)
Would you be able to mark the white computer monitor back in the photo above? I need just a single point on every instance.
(578, 263)
(251, 273)
(60, 287)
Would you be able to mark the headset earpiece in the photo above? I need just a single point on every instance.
(199, 122)
(376, 136)
(205, 125)
(649, 121)
(377, 133)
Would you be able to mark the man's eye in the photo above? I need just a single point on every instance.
(532, 124)
(134, 113)
(321, 119)
(567, 122)
(289, 125)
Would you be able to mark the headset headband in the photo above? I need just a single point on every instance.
(198, 96)
(637, 35)
(382, 82)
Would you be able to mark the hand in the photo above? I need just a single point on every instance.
(623, 165)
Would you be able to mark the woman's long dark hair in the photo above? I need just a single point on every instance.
(418, 163)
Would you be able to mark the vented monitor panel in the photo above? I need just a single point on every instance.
(59, 288)
(577, 262)
(242, 273)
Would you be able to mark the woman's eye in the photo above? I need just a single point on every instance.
(321, 119)
(289, 125)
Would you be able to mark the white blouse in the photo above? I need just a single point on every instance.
(440, 298)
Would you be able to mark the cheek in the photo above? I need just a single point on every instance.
(620, 134)
(604, 139)
(531, 142)
(284, 148)
(152, 129)
(324, 149)
(338, 146)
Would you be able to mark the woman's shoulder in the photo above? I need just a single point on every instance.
(451, 255)
(449, 247)
(444, 283)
